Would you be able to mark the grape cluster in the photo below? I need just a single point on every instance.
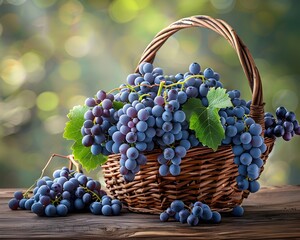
(247, 145)
(69, 191)
(247, 156)
(99, 120)
(151, 116)
(244, 135)
(195, 214)
(284, 125)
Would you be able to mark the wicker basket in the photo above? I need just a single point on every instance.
(206, 175)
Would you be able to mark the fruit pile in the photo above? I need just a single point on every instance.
(69, 191)
(192, 215)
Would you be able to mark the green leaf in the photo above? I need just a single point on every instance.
(218, 98)
(72, 131)
(118, 105)
(205, 121)
(86, 158)
(206, 124)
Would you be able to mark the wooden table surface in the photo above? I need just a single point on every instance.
(272, 213)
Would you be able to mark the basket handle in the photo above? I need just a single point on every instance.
(222, 28)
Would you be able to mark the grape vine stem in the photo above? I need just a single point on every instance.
(72, 162)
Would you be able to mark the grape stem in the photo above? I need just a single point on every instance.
(72, 162)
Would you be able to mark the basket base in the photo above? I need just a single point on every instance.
(205, 176)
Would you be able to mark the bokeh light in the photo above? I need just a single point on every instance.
(47, 101)
(13, 72)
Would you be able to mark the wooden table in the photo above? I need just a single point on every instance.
(272, 213)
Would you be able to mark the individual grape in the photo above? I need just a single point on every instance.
(130, 164)
(179, 116)
(38, 209)
(141, 126)
(29, 203)
(269, 122)
(146, 68)
(216, 217)
(195, 68)
(207, 213)
(167, 126)
(87, 198)
(290, 116)
(257, 141)
(90, 102)
(180, 151)
(79, 204)
(208, 73)
(245, 138)
(164, 217)
(255, 152)
(106, 201)
(87, 140)
(116, 209)
(45, 200)
(168, 153)
(237, 150)
(231, 131)
(191, 92)
(255, 129)
(50, 210)
(245, 158)
(61, 210)
(287, 136)
(163, 170)
(174, 170)
(288, 126)
(182, 97)
(254, 186)
(107, 210)
(132, 153)
(239, 111)
(238, 211)
(280, 112)
(44, 190)
(13, 204)
(192, 220)
(183, 215)
(278, 131)
(96, 208)
(177, 205)
(253, 171)
(249, 121)
(197, 211)
(243, 184)
(203, 89)
(258, 161)
(68, 186)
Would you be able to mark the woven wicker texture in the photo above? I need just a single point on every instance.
(205, 175)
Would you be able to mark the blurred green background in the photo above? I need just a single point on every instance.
(56, 53)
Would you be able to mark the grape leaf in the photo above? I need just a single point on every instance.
(72, 131)
(86, 158)
(118, 105)
(205, 121)
(218, 98)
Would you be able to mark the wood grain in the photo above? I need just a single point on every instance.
(272, 213)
